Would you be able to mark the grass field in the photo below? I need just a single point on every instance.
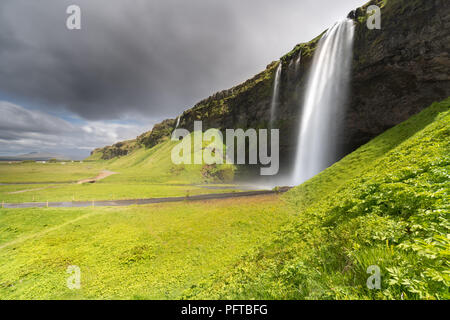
(154, 252)
(49, 172)
(102, 191)
(145, 173)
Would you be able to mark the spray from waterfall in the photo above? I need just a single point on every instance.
(275, 95)
(323, 106)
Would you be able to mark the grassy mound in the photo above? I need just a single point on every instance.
(385, 205)
(155, 165)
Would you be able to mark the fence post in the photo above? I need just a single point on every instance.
(47, 203)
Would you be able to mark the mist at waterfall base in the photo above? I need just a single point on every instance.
(322, 109)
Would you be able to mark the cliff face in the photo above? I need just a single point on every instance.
(397, 71)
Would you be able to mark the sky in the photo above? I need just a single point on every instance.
(134, 63)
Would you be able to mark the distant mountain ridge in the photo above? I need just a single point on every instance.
(36, 156)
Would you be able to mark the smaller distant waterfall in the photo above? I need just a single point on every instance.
(297, 63)
(325, 98)
(275, 95)
(178, 122)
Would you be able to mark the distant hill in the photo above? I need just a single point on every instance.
(36, 156)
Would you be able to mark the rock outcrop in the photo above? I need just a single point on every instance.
(116, 150)
(159, 132)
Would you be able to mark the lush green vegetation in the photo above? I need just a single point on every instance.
(386, 204)
(152, 252)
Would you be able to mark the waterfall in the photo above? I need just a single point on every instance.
(275, 95)
(297, 63)
(324, 102)
(178, 122)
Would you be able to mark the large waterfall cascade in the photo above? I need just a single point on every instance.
(324, 102)
(275, 95)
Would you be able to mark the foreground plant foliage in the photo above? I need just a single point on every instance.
(386, 204)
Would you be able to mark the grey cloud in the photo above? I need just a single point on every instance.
(148, 59)
(22, 131)
(19, 119)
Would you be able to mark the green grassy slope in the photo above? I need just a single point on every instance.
(387, 204)
(155, 165)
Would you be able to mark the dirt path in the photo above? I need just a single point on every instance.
(122, 203)
(104, 174)
(44, 232)
(28, 190)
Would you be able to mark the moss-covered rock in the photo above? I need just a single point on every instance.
(116, 150)
(159, 133)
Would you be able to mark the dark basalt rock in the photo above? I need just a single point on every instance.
(352, 15)
(398, 70)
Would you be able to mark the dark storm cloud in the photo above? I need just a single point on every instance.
(148, 59)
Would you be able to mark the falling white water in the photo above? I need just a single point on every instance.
(325, 98)
(275, 95)
(178, 122)
(297, 62)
